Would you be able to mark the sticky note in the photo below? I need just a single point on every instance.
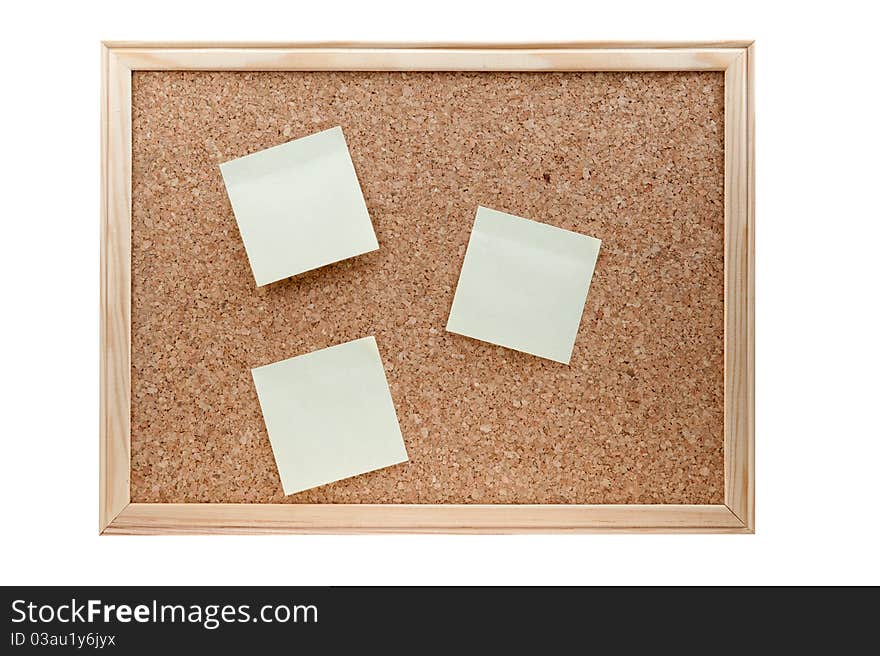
(298, 206)
(523, 285)
(329, 415)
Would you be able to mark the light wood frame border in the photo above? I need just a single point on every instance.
(119, 516)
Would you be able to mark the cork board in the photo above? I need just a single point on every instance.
(635, 159)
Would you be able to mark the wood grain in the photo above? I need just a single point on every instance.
(428, 45)
(434, 59)
(115, 331)
(145, 519)
(739, 293)
(749, 509)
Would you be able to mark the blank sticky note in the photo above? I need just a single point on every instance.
(329, 415)
(299, 206)
(523, 285)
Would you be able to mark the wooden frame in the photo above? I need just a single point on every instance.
(119, 516)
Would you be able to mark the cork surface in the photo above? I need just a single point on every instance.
(634, 159)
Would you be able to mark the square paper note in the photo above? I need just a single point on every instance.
(298, 206)
(523, 285)
(329, 415)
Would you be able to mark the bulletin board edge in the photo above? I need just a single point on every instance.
(118, 516)
(203, 518)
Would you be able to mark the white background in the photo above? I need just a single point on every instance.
(817, 362)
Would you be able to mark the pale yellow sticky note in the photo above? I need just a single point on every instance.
(299, 206)
(329, 415)
(523, 285)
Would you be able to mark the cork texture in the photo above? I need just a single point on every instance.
(634, 159)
